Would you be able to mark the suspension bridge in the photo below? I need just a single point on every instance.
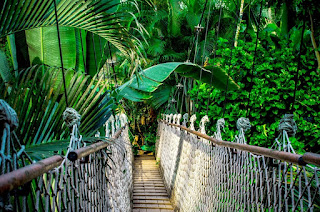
(192, 171)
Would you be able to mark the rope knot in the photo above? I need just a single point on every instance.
(170, 118)
(243, 123)
(173, 100)
(192, 120)
(174, 119)
(185, 119)
(8, 115)
(288, 124)
(179, 86)
(203, 122)
(220, 124)
(178, 119)
(71, 117)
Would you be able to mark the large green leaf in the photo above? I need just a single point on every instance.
(43, 47)
(150, 79)
(98, 17)
(160, 96)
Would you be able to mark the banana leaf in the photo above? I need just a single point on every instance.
(147, 81)
(160, 96)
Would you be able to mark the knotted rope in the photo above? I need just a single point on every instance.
(220, 124)
(243, 123)
(288, 124)
(8, 115)
(203, 122)
(192, 120)
(71, 117)
(178, 119)
(185, 119)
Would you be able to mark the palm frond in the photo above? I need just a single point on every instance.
(99, 17)
(38, 99)
(4, 67)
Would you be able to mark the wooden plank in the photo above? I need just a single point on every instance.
(149, 193)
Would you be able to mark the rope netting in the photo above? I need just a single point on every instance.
(100, 181)
(203, 176)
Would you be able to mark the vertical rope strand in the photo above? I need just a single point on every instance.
(203, 53)
(296, 77)
(60, 51)
(254, 59)
(225, 101)
(194, 39)
(215, 53)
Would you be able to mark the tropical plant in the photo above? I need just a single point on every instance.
(39, 101)
(98, 17)
(272, 88)
(147, 81)
(36, 93)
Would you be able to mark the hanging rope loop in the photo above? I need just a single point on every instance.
(243, 123)
(8, 115)
(288, 124)
(71, 117)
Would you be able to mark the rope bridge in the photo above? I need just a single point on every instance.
(97, 177)
(200, 172)
(204, 173)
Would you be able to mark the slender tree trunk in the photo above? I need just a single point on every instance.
(313, 40)
(284, 19)
(239, 24)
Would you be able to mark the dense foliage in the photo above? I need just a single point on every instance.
(269, 48)
(272, 86)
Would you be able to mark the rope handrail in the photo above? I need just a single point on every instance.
(204, 173)
(307, 158)
(19, 177)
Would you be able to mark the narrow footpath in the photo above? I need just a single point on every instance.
(149, 192)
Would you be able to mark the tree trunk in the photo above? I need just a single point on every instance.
(284, 19)
(313, 40)
(239, 24)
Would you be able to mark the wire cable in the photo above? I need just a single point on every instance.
(254, 59)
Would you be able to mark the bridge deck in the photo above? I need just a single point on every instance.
(149, 193)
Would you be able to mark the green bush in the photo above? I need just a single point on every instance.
(273, 84)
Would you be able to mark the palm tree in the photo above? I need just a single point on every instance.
(36, 93)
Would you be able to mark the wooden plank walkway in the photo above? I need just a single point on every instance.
(149, 192)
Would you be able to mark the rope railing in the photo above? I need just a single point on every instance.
(307, 158)
(97, 177)
(205, 173)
